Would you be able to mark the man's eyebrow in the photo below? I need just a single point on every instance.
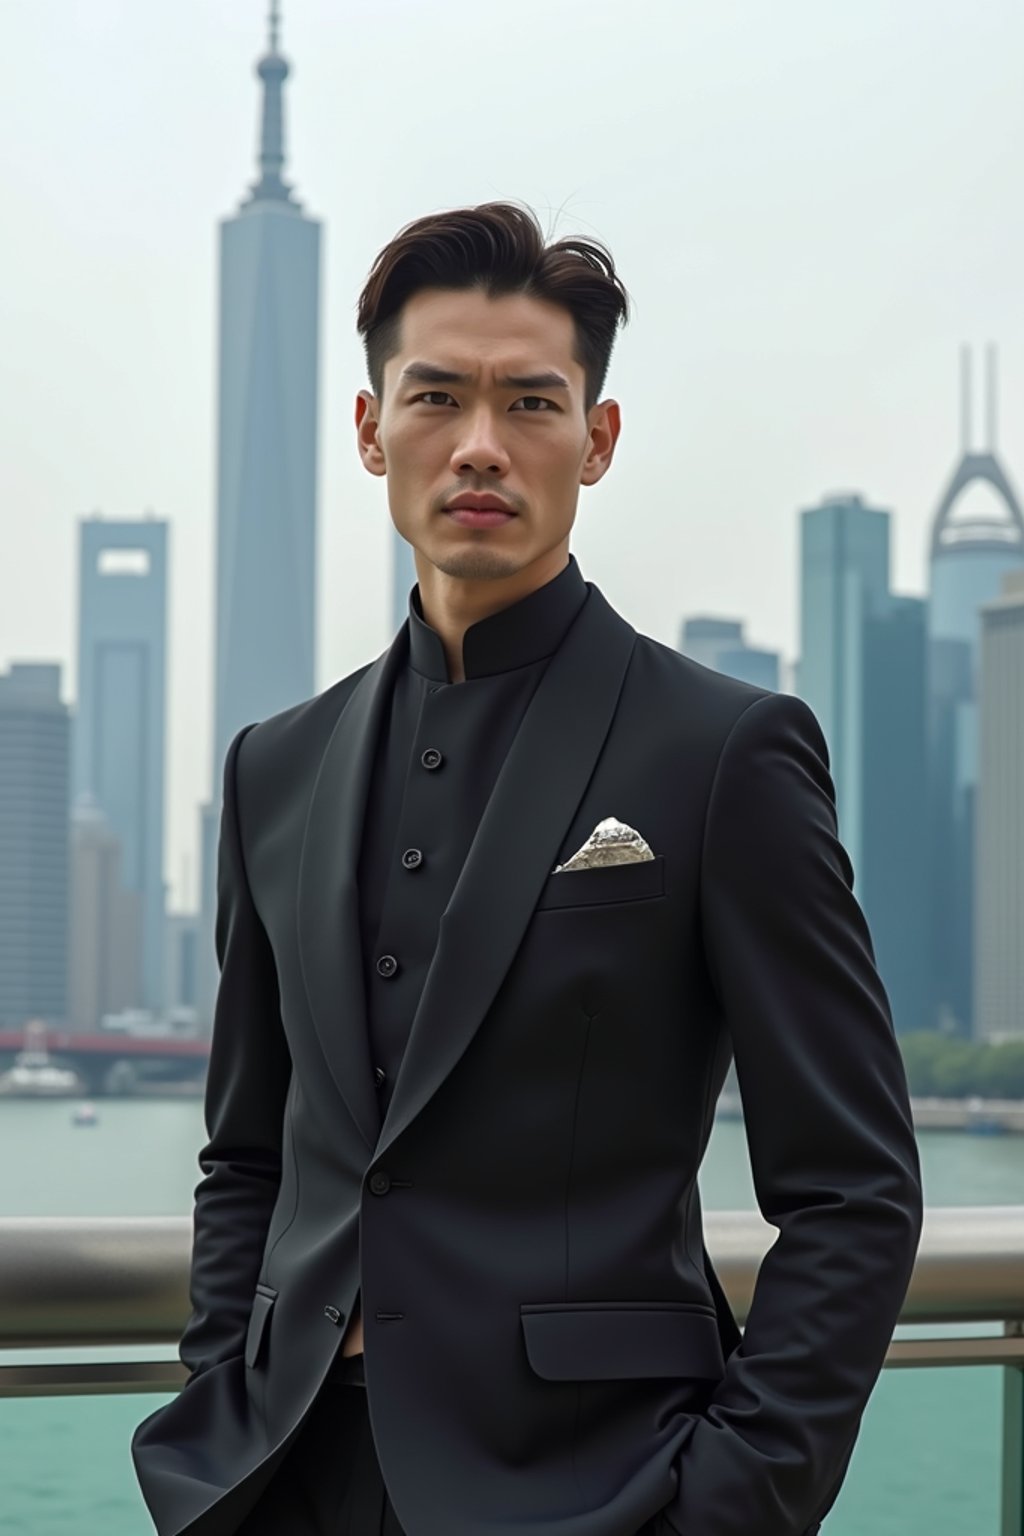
(549, 380)
(430, 373)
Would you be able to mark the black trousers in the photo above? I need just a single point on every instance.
(330, 1482)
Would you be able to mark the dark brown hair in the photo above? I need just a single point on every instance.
(499, 248)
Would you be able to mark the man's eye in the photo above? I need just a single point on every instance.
(434, 396)
(532, 402)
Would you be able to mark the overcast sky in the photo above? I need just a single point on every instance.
(812, 203)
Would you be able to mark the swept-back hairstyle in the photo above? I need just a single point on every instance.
(499, 248)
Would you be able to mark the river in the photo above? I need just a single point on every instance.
(927, 1462)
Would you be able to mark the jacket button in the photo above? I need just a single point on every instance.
(387, 965)
(379, 1182)
(333, 1314)
(412, 858)
(431, 758)
(380, 1076)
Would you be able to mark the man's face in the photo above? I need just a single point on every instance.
(484, 403)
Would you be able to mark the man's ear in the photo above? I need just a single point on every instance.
(605, 423)
(368, 433)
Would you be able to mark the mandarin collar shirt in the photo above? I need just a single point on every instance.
(440, 748)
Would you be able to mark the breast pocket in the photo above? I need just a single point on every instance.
(643, 880)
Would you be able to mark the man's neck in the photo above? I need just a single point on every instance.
(451, 605)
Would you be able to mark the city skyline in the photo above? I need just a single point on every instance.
(812, 367)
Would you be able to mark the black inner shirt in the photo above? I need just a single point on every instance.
(440, 749)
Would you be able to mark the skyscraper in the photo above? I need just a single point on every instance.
(968, 558)
(719, 643)
(268, 374)
(267, 425)
(999, 857)
(182, 955)
(104, 972)
(893, 823)
(844, 576)
(862, 671)
(35, 768)
(119, 729)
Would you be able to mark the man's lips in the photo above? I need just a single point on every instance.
(479, 511)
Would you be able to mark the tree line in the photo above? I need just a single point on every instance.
(940, 1066)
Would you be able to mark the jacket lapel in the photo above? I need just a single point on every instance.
(538, 790)
(327, 906)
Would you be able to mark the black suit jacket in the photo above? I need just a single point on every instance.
(546, 1351)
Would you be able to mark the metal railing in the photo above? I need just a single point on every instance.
(66, 1282)
(114, 1282)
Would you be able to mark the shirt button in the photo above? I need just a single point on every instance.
(431, 758)
(380, 1075)
(387, 965)
(379, 1183)
(412, 858)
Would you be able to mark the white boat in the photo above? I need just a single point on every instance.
(35, 1075)
(85, 1114)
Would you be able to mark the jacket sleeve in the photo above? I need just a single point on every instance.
(829, 1130)
(247, 1081)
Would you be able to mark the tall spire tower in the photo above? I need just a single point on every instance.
(267, 444)
(273, 70)
(969, 555)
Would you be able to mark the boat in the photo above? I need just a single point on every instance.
(85, 1114)
(36, 1075)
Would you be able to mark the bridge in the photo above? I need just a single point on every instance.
(112, 1062)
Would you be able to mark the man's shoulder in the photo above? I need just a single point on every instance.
(712, 696)
(301, 727)
(675, 691)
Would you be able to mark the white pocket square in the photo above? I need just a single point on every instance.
(611, 842)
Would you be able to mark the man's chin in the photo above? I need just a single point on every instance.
(474, 564)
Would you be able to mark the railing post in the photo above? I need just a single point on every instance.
(1013, 1443)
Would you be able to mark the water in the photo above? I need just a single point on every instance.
(927, 1462)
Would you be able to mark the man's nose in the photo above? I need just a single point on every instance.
(479, 447)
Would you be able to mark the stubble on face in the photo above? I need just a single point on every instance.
(477, 564)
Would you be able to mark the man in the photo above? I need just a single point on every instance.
(494, 914)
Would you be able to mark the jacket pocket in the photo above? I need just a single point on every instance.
(637, 881)
(605, 1340)
(262, 1306)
